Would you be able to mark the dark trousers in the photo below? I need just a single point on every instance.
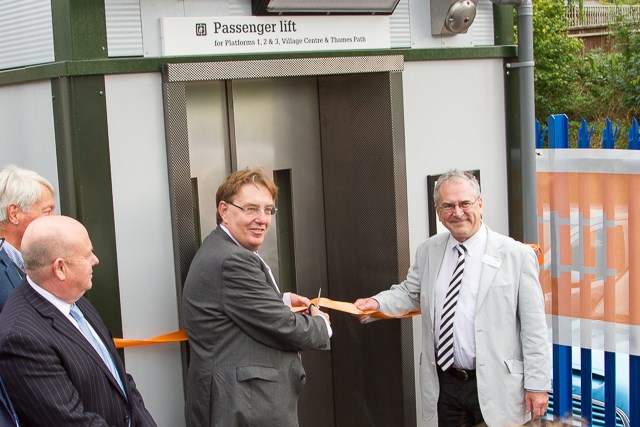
(458, 404)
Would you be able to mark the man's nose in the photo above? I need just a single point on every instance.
(458, 211)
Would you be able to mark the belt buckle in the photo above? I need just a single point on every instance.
(463, 373)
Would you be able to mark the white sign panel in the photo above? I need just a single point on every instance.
(249, 34)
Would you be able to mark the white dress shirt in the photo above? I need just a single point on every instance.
(464, 343)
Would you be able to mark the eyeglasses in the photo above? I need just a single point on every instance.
(465, 205)
(254, 211)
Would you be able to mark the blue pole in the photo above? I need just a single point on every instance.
(586, 385)
(609, 388)
(634, 135)
(634, 390)
(562, 381)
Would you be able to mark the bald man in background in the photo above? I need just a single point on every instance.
(58, 360)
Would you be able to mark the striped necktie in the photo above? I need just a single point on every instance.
(445, 343)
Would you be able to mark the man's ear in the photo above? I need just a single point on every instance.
(59, 268)
(13, 211)
(222, 210)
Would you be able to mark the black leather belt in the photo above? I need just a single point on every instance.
(461, 374)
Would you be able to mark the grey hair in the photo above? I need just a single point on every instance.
(37, 256)
(455, 175)
(20, 187)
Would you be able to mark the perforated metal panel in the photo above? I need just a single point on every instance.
(367, 244)
(230, 70)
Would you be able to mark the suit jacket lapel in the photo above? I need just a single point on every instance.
(263, 266)
(8, 267)
(436, 256)
(64, 326)
(491, 261)
(265, 270)
(96, 323)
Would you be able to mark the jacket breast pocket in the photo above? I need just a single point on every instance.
(265, 373)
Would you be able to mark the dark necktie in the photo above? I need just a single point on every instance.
(445, 343)
(95, 343)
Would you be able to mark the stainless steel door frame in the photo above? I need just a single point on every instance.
(361, 392)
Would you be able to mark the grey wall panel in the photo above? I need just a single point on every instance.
(400, 26)
(142, 219)
(27, 134)
(124, 27)
(26, 33)
(483, 24)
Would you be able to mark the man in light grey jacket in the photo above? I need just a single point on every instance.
(485, 354)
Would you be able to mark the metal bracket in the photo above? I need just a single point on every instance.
(520, 64)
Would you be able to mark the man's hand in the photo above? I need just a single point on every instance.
(366, 304)
(315, 311)
(538, 400)
(299, 300)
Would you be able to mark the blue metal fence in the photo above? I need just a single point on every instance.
(563, 399)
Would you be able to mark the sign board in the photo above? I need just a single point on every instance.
(253, 34)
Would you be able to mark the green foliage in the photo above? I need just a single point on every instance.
(555, 54)
(627, 43)
(593, 85)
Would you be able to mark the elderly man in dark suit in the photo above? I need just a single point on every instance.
(57, 358)
(245, 369)
(24, 196)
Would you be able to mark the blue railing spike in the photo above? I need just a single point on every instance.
(558, 125)
(609, 136)
(541, 133)
(634, 135)
(585, 134)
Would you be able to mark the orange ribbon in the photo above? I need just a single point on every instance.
(538, 251)
(181, 335)
(350, 308)
(176, 336)
(345, 307)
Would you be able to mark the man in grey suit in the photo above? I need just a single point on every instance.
(57, 358)
(24, 196)
(245, 369)
(485, 354)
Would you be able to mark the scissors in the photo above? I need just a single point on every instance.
(318, 300)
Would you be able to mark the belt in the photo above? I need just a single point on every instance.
(461, 374)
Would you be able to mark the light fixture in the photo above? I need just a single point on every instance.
(323, 7)
(452, 16)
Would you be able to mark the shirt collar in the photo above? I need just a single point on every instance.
(13, 254)
(477, 241)
(226, 230)
(63, 306)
